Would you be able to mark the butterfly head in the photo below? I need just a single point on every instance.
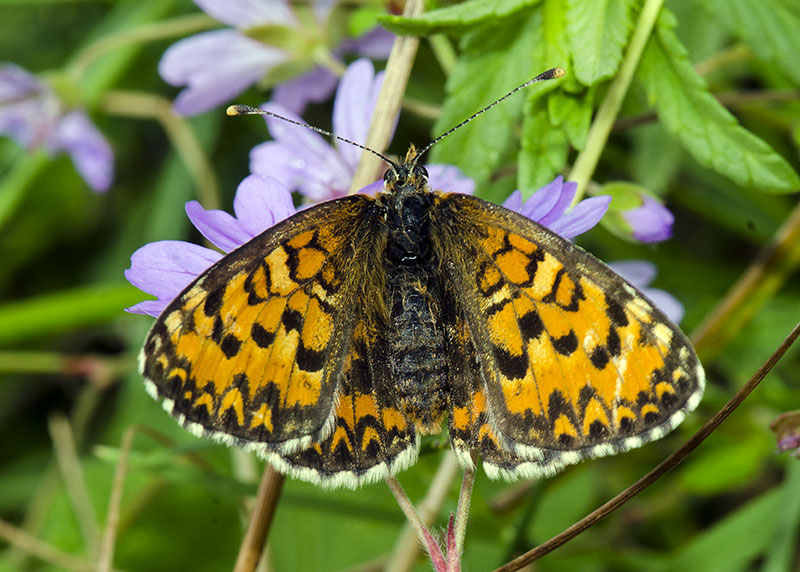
(406, 177)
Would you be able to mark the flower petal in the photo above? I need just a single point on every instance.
(564, 193)
(540, 203)
(581, 217)
(300, 159)
(164, 269)
(313, 87)
(375, 44)
(373, 188)
(89, 150)
(355, 101)
(261, 202)
(17, 83)
(247, 13)
(651, 222)
(220, 228)
(449, 178)
(641, 273)
(215, 67)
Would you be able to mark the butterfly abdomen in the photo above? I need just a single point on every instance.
(416, 338)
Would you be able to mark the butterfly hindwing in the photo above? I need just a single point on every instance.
(372, 438)
(251, 352)
(574, 362)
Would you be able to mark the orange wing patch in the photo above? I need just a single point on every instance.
(579, 364)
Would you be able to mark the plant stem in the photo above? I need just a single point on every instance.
(398, 68)
(252, 547)
(586, 162)
(180, 133)
(181, 26)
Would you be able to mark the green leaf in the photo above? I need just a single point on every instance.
(456, 19)
(705, 128)
(768, 27)
(63, 311)
(573, 112)
(544, 149)
(598, 31)
(735, 541)
(493, 61)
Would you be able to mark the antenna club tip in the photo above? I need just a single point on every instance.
(234, 110)
(558, 72)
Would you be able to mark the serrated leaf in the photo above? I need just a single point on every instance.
(456, 19)
(493, 60)
(573, 112)
(544, 150)
(705, 128)
(598, 31)
(768, 27)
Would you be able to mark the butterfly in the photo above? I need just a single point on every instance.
(333, 341)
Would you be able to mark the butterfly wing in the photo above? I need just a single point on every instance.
(572, 361)
(372, 437)
(253, 350)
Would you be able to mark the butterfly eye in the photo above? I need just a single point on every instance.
(421, 170)
(390, 176)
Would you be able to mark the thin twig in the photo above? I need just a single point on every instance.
(406, 549)
(106, 554)
(462, 512)
(660, 470)
(32, 546)
(433, 548)
(149, 106)
(71, 471)
(269, 492)
(398, 68)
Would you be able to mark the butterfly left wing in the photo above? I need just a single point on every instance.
(252, 351)
(572, 361)
(372, 438)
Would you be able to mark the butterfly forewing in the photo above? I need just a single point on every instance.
(251, 352)
(574, 362)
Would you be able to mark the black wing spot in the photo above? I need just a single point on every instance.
(511, 366)
(599, 358)
(230, 345)
(613, 344)
(531, 325)
(261, 337)
(616, 313)
(566, 344)
(213, 302)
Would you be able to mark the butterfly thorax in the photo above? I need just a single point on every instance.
(416, 337)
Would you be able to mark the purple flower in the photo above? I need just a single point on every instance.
(33, 115)
(787, 431)
(641, 273)
(549, 206)
(266, 34)
(165, 268)
(651, 222)
(306, 162)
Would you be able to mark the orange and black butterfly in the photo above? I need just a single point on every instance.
(332, 341)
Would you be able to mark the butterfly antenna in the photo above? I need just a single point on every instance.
(553, 73)
(248, 110)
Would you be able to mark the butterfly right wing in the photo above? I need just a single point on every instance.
(251, 353)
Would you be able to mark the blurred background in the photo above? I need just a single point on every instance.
(69, 387)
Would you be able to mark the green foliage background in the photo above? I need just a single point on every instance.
(711, 125)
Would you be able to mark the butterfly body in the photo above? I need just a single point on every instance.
(331, 341)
